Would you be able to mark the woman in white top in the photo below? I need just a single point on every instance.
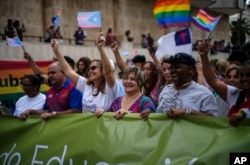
(101, 87)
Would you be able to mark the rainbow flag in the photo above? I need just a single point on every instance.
(170, 13)
(205, 21)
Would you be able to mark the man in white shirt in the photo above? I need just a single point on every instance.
(185, 96)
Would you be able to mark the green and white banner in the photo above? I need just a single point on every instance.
(83, 139)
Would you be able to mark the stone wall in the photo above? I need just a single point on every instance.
(121, 15)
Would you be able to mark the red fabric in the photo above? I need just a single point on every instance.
(236, 109)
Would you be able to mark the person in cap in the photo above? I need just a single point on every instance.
(185, 96)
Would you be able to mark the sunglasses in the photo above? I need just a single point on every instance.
(247, 75)
(93, 67)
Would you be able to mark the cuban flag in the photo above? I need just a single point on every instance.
(175, 42)
(89, 19)
(14, 42)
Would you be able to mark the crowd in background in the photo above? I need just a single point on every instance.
(14, 28)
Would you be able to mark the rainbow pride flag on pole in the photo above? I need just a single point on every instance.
(170, 13)
(205, 21)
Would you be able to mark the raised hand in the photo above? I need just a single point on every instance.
(203, 47)
(152, 49)
(54, 44)
(100, 41)
(114, 46)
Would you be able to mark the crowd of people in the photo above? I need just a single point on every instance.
(216, 46)
(15, 28)
(176, 85)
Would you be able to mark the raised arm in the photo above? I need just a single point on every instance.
(68, 71)
(118, 58)
(35, 68)
(200, 76)
(219, 86)
(32, 64)
(107, 68)
(152, 51)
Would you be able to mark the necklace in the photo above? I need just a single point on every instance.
(186, 84)
(183, 85)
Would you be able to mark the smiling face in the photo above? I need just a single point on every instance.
(133, 80)
(95, 71)
(232, 78)
(181, 73)
(131, 84)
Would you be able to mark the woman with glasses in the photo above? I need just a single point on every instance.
(237, 98)
(101, 87)
(134, 101)
(32, 99)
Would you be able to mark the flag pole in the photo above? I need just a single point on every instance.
(210, 36)
(23, 49)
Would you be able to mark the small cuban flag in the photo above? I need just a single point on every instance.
(89, 19)
(14, 42)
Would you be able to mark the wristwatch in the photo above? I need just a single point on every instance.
(54, 113)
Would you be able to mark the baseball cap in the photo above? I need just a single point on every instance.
(182, 58)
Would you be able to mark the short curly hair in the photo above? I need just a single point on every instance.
(35, 80)
(139, 74)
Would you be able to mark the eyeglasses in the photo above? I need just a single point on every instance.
(93, 67)
(246, 75)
